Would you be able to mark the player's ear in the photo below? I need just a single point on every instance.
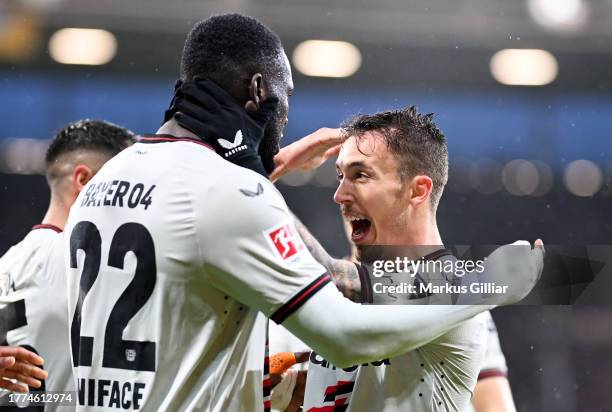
(257, 93)
(81, 174)
(421, 186)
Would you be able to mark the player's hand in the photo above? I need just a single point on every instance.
(517, 265)
(309, 152)
(282, 361)
(286, 382)
(22, 365)
(204, 108)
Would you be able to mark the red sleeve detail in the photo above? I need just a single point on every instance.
(491, 373)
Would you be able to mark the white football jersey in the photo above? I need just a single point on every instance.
(174, 257)
(33, 304)
(439, 376)
(281, 340)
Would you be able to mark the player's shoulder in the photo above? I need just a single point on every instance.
(243, 189)
(216, 176)
(41, 235)
(31, 252)
(469, 333)
(239, 204)
(39, 239)
(486, 317)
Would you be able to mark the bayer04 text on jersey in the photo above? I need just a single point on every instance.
(118, 193)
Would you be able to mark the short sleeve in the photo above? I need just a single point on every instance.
(251, 249)
(495, 361)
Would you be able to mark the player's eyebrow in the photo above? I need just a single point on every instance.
(355, 164)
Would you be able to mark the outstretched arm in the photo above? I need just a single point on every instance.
(347, 334)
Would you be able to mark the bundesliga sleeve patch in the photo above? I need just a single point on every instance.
(285, 241)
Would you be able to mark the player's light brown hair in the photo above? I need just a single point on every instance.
(419, 145)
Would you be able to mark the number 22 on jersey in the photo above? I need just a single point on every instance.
(117, 352)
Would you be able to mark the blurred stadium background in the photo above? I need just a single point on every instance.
(522, 90)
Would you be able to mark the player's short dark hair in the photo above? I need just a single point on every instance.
(420, 146)
(95, 135)
(230, 48)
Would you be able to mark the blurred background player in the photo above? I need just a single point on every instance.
(492, 392)
(180, 263)
(35, 302)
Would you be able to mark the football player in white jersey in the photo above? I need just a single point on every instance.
(492, 391)
(175, 256)
(398, 149)
(33, 302)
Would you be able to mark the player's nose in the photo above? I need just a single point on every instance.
(343, 195)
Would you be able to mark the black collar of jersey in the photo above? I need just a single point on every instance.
(438, 254)
(166, 138)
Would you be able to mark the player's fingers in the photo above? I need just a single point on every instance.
(13, 387)
(29, 370)
(275, 380)
(6, 362)
(22, 354)
(540, 245)
(329, 137)
(28, 380)
(302, 357)
(333, 152)
(538, 253)
(276, 173)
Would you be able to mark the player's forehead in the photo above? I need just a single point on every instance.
(281, 78)
(369, 149)
(287, 66)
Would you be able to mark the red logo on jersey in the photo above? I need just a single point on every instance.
(286, 241)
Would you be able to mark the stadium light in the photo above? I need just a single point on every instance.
(82, 46)
(23, 156)
(520, 177)
(485, 176)
(583, 178)
(524, 67)
(566, 15)
(545, 178)
(324, 58)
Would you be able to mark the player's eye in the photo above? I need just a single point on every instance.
(339, 176)
(361, 176)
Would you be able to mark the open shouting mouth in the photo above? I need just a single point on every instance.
(360, 228)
